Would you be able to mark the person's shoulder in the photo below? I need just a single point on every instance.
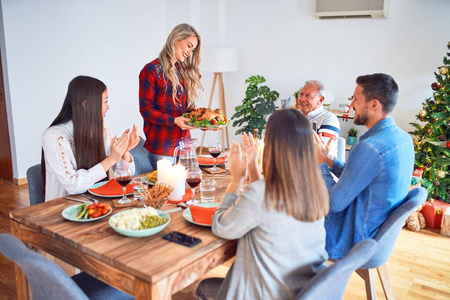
(329, 116)
(60, 131)
(151, 66)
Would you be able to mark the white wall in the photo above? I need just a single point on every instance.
(48, 42)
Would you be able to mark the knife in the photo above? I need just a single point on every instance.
(78, 200)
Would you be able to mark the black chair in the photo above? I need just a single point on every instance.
(330, 282)
(48, 281)
(140, 155)
(35, 185)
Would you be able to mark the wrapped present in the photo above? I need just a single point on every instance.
(416, 180)
(445, 225)
(433, 212)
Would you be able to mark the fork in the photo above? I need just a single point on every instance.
(90, 198)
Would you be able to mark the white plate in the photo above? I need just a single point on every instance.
(141, 232)
(70, 213)
(188, 216)
(210, 165)
(102, 183)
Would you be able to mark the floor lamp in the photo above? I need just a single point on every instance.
(219, 60)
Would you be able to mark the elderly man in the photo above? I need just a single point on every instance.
(375, 179)
(309, 101)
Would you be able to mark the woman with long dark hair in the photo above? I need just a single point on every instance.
(78, 148)
(279, 220)
(169, 87)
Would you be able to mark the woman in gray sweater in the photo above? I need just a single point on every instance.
(278, 220)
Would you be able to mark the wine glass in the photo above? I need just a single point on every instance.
(215, 149)
(123, 176)
(193, 179)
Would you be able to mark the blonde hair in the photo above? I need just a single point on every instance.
(294, 183)
(189, 68)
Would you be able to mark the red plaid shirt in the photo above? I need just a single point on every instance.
(159, 110)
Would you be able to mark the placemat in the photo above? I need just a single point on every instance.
(218, 171)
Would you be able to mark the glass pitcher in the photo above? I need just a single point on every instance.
(187, 153)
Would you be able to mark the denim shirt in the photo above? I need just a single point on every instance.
(374, 181)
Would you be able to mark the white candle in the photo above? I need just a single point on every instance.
(260, 153)
(177, 181)
(164, 167)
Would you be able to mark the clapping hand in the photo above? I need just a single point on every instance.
(250, 147)
(119, 146)
(237, 162)
(322, 149)
(133, 138)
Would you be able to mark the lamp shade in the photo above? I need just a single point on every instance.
(219, 60)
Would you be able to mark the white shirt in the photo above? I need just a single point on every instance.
(327, 126)
(62, 176)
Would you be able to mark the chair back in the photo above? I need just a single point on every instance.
(140, 155)
(35, 185)
(341, 149)
(388, 233)
(330, 282)
(47, 280)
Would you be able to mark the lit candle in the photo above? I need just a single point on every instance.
(260, 144)
(177, 181)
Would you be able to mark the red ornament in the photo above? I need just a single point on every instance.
(448, 144)
(428, 130)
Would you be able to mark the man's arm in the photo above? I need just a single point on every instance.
(362, 167)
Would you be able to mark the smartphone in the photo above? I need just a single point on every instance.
(182, 239)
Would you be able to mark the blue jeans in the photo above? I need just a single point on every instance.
(153, 159)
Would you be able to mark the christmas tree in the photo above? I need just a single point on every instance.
(432, 136)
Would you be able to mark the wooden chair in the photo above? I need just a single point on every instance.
(35, 185)
(48, 281)
(386, 237)
(330, 282)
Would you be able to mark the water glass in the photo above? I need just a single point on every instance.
(208, 190)
(140, 186)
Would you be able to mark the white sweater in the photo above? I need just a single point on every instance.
(62, 176)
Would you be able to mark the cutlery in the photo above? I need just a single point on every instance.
(78, 200)
(90, 198)
(169, 211)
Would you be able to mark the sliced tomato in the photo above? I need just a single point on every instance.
(100, 205)
(214, 122)
(96, 214)
(105, 211)
(91, 211)
(107, 206)
(91, 206)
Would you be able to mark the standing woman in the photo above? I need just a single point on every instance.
(279, 220)
(168, 88)
(77, 148)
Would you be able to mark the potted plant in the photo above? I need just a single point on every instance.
(352, 136)
(256, 106)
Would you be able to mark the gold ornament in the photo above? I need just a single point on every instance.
(440, 174)
(443, 70)
(423, 113)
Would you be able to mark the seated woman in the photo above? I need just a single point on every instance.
(77, 148)
(279, 220)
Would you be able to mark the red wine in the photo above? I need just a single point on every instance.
(215, 153)
(193, 182)
(124, 180)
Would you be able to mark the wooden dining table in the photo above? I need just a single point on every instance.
(147, 267)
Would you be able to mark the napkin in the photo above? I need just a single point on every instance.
(203, 160)
(112, 188)
(201, 214)
(187, 196)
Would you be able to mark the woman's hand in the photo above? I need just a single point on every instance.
(237, 162)
(322, 149)
(250, 147)
(181, 122)
(118, 147)
(133, 138)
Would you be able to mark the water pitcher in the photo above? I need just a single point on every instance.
(187, 153)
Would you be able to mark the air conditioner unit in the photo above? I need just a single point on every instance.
(340, 9)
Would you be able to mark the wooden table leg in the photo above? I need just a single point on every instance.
(159, 291)
(23, 291)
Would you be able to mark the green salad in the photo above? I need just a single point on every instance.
(203, 122)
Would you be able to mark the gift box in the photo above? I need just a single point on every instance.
(416, 180)
(433, 212)
(445, 226)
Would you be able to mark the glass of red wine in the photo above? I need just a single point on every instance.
(193, 179)
(123, 175)
(215, 149)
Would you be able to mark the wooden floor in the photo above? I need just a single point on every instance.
(419, 266)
